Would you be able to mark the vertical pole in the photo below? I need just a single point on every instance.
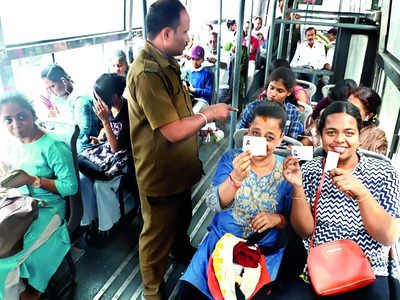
(289, 47)
(282, 30)
(217, 70)
(270, 42)
(6, 72)
(236, 70)
(249, 46)
(144, 7)
(340, 10)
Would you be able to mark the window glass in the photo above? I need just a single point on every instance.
(390, 109)
(27, 79)
(84, 65)
(393, 44)
(33, 21)
(356, 56)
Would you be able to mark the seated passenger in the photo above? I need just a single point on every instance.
(280, 88)
(120, 63)
(47, 173)
(73, 105)
(201, 79)
(359, 200)
(250, 196)
(310, 54)
(368, 102)
(100, 198)
(340, 92)
(300, 93)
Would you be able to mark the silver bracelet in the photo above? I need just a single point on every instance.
(204, 117)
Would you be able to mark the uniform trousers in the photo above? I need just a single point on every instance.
(165, 224)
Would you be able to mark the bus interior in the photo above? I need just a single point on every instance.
(82, 36)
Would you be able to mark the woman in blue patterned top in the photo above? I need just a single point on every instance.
(249, 195)
(359, 201)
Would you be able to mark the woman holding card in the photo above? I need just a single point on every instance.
(359, 200)
(251, 198)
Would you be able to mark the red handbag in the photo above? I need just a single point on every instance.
(339, 266)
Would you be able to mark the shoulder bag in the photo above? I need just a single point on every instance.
(339, 266)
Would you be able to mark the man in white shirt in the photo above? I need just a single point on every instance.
(211, 56)
(310, 53)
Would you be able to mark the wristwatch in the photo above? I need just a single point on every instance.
(36, 182)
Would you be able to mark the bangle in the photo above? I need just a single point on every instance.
(204, 117)
(236, 186)
(282, 223)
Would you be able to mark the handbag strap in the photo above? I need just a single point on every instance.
(316, 202)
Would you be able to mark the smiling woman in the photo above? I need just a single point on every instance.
(359, 200)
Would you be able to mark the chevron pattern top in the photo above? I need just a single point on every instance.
(338, 217)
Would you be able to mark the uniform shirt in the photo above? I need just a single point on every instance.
(309, 56)
(156, 98)
(293, 125)
(338, 217)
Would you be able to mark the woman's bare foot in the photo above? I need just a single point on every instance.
(30, 294)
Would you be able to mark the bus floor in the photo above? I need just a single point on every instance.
(112, 272)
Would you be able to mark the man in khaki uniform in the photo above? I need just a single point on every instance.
(164, 142)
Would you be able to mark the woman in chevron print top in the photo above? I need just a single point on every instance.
(360, 200)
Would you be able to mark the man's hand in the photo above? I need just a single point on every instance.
(191, 89)
(218, 112)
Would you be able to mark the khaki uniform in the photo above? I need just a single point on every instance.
(165, 171)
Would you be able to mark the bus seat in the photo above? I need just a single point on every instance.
(325, 90)
(309, 86)
(69, 133)
(319, 151)
(306, 114)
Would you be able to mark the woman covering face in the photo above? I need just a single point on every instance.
(359, 200)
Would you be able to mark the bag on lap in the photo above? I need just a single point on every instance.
(99, 162)
(17, 213)
(339, 266)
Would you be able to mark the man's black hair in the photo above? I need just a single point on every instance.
(230, 23)
(163, 13)
(332, 31)
(310, 28)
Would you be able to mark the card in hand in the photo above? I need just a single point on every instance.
(256, 145)
(302, 152)
(332, 160)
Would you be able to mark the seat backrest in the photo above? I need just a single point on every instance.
(305, 114)
(325, 90)
(69, 134)
(309, 86)
(319, 151)
(240, 133)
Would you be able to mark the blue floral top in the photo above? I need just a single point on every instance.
(270, 193)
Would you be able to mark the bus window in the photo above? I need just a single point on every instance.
(83, 65)
(393, 44)
(390, 109)
(356, 56)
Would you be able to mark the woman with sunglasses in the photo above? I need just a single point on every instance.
(72, 105)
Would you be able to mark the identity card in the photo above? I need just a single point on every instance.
(256, 145)
(302, 152)
(331, 161)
